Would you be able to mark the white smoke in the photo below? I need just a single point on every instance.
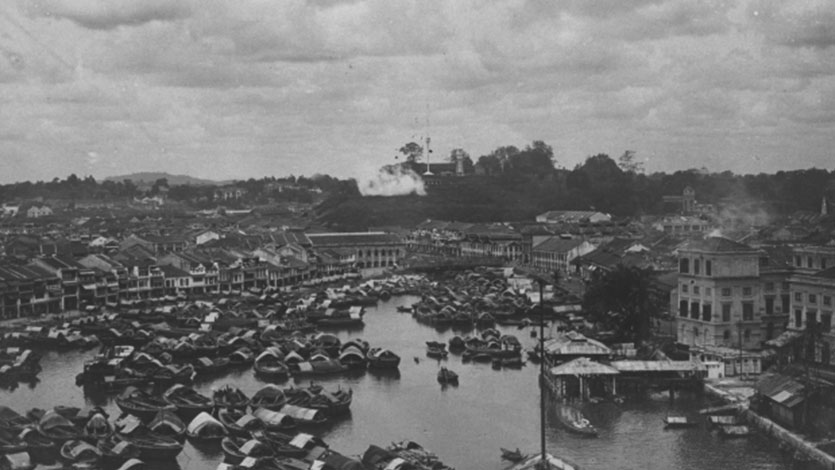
(715, 233)
(392, 180)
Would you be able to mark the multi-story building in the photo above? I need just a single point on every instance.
(720, 298)
(812, 307)
(372, 250)
(557, 253)
(68, 271)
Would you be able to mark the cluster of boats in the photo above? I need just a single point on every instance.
(154, 427)
(274, 354)
(477, 298)
(489, 346)
(18, 365)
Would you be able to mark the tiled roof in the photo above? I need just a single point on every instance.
(558, 245)
(353, 238)
(172, 271)
(717, 245)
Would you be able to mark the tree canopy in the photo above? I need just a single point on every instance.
(621, 301)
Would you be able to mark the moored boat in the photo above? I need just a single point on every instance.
(270, 397)
(379, 358)
(188, 402)
(167, 423)
(239, 423)
(229, 396)
(275, 420)
(270, 365)
(116, 451)
(141, 404)
(237, 449)
(573, 420)
(671, 421)
(97, 427)
(58, 428)
(152, 446)
(77, 451)
(204, 427)
(305, 415)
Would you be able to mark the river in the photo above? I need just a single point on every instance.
(463, 425)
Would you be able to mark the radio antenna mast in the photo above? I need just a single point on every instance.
(426, 146)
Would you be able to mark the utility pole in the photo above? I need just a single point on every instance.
(544, 461)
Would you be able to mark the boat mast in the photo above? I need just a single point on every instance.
(543, 464)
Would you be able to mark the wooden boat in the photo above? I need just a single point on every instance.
(679, 422)
(141, 404)
(270, 365)
(379, 358)
(293, 446)
(167, 423)
(97, 427)
(405, 308)
(316, 397)
(456, 343)
(173, 373)
(573, 420)
(229, 396)
(133, 464)
(446, 376)
(512, 455)
(722, 420)
(11, 443)
(515, 361)
(270, 397)
(116, 451)
(206, 366)
(152, 446)
(353, 357)
(735, 430)
(17, 461)
(317, 367)
(37, 443)
(236, 449)
(204, 427)
(304, 415)
(275, 420)
(239, 423)
(436, 352)
(188, 402)
(58, 428)
(241, 357)
(79, 452)
(12, 420)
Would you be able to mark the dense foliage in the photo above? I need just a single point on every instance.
(622, 301)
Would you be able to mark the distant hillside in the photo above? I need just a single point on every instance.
(150, 177)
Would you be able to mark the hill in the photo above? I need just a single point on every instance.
(150, 177)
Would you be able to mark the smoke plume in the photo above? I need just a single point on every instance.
(392, 180)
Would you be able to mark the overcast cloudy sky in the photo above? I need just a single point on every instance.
(237, 89)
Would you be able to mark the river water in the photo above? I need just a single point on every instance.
(464, 425)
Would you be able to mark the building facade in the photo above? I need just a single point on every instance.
(719, 295)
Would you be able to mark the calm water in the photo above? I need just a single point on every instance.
(463, 425)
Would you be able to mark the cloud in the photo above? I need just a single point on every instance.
(109, 14)
(796, 24)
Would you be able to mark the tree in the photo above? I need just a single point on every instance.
(629, 164)
(621, 301)
(412, 151)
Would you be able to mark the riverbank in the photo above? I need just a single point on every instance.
(738, 392)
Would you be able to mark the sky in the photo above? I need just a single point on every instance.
(234, 89)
